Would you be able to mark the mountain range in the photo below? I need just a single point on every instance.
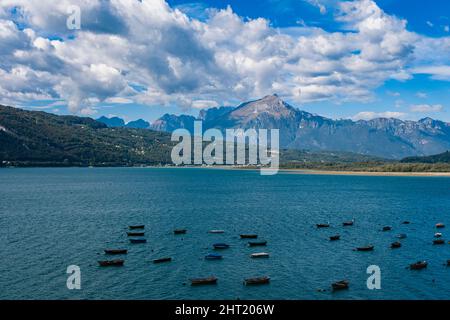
(36, 138)
(382, 137)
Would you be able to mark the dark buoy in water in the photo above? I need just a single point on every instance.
(396, 245)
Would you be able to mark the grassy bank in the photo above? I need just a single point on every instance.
(371, 167)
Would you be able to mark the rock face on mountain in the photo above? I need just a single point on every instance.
(170, 122)
(388, 138)
(213, 113)
(267, 113)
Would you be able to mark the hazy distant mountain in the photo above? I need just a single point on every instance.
(138, 124)
(112, 122)
(388, 138)
(116, 122)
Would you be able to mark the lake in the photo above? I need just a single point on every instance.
(55, 217)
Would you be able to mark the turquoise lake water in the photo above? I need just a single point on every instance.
(53, 218)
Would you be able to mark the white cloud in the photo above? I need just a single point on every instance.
(119, 100)
(192, 63)
(436, 72)
(22, 83)
(204, 104)
(424, 108)
(421, 95)
(432, 57)
(369, 115)
(88, 112)
(318, 4)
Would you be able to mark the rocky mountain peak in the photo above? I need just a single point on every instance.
(271, 105)
(432, 123)
(427, 120)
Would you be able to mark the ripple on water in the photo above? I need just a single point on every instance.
(57, 217)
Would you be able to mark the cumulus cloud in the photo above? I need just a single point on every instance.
(432, 57)
(149, 53)
(369, 115)
(426, 108)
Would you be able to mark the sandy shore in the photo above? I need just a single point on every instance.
(368, 173)
(337, 173)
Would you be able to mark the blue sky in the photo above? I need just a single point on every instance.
(285, 13)
(342, 59)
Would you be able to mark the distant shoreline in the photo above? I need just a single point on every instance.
(366, 173)
(335, 172)
(330, 172)
(284, 170)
